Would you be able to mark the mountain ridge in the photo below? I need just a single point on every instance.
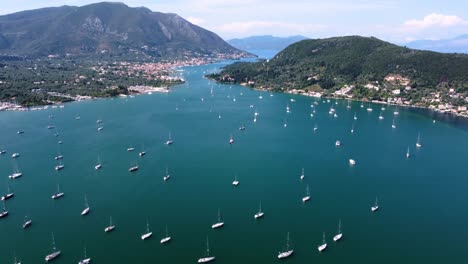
(106, 27)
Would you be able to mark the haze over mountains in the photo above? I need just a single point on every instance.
(266, 42)
(458, 44)
(106, 27)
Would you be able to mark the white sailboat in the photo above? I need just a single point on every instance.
(287, 252)
(4, 212)
(133, 168)
(167, 238)
(393, 123)
(338, 143)
(381, 116)
(302, 174)
(85, 260)
(55, 253)
(169, 141)
(16, 261)
(8, 195)
(288, 110)
(86, 209)
(111, 227)
(16, 174)
(260, 213)
(315, 127)
(235, 182)
(99, 164)
(167, 176)
(352, 128)
(323, 246)
(61, 166)
(148, 234)
(418, 141)
(58, 194)
(15, 155)
(376, 205)
(355, 117)
(219, 223)
(285, 124)
(231, 140)
(407, 153)
(352, 162)
(307, 196)
(27, 222)
(207, 258)
(142, 152)
(339, 235)
(369, 109)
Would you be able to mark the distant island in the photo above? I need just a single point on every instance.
(360, 68)
(67, 53)
(266, 42)
(454, 45)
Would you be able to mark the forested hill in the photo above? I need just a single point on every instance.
(334, 62)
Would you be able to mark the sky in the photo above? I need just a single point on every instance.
(398, 21)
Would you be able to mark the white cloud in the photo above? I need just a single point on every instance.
(195, 20)
(435, 20)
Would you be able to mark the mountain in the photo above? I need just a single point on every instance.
(264, 42)
(458, 45)
(369, 67)
(112, 28)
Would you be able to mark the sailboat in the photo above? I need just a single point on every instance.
(58, 157)
(315, 127)
(235, 182)
(338, 143)
(307, 196)
(60, 166)
(130, 149)
(369, 109)
(376, 206)
(148, 234)
(339, 235)
(27, 222)
(241, 128)
(167, 238)
(133, 168)
(15, 155)
(169, 141)
(58, 194)
(4, 212)
(285, 124)
(381, 116)
(111, 227)
(8, 195)
(142, 152)
(407, 153)
(352, 162)
(55, 253)
(348, 106)
(167, 176)
(16, 261)
(288, 252)
(302, 174)
(418, 141)
(16, 174)
(98, 166)
(288, 110)
(208, 258)
(231, 140)
(2, 151)
(352, 128)
(393, 124)
(86, 209)
(86, 260)
(323, 246)
(260, 213)
(355, 117)
(219, 223)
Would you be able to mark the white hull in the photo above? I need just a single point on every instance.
(285, 254)
(146, 236)
(418, 145)
(130, 149)
(166, 178)
(132, 169)
(100, 128)
(58, 195)
(3, 214)
(59, 167)
(322, 247)
(374, 208)
(15, 175)
(169, 142)
(85, 211)
(27, 224)
(7, 196)
(258, 215)
(141, 154)
(109, 229)
(207, 259)
(15, 155)
(165, 240)
(337, 237)
(98, 167)
(305, 199)
(85, 261)
(52, 256)
(235, 183)
(352, 162)
(217, 225)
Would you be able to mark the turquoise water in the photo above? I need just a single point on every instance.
(422, 218)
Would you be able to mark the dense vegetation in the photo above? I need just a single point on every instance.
(328, 64)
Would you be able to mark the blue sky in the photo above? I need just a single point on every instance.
(393, 20)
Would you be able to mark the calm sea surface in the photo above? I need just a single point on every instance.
(422, 218)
